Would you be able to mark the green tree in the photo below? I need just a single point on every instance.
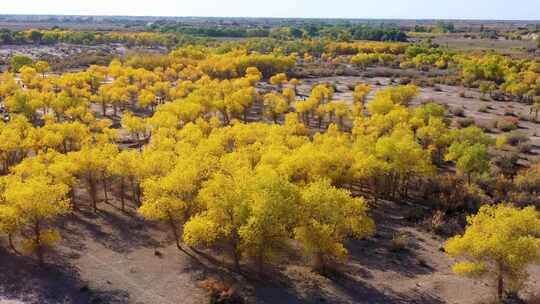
(470, 159)
(18, 61)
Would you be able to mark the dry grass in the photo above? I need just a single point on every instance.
(220, 292)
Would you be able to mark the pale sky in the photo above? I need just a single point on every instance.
(406, 9)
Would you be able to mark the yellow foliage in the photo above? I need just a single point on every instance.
(501, 240)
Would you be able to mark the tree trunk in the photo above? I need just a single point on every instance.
(244, 114)
(39, 248)
(175, 232)
(92, 190)
(319, 263)
(11, 245)
(235, 254)
(122, 194)
(71, 195)
(260, 263)
(104, 183)
(500, 287)
(135, 191)
(226, 119)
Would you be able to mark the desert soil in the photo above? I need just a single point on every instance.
(110, 257)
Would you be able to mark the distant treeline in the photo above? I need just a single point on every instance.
(49, 37)
(170, 35)
(309, 31)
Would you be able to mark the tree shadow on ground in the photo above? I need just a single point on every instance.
(56, 282)
(118, 231)
(362, 292)
(279, 289)
(379, 252)
(270, 287)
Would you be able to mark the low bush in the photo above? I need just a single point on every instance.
(400, 242)
(404, 81)
(220, 292)
(484, 98)
(483, 109)
(524, 148)
(451, 194)
(466, 122)
(458, 111)
(507, 124)
(509, 112)
(437, 222)
(515, 138)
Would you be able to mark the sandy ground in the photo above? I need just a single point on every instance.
(104, 258)
(110, 258)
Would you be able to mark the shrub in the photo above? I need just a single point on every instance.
(484, 98)
(18, 61)
(466, 122)
(458, 111)
(483, 109)
(507, 124)
(524, 148)
(524, 117)
(515, 138)
(533, 299)
(220, 293)
(452, 80)
(404, 81)
(509, 112)
(507, 164)
(501, 141)
(400, 242)
(437, 221)
(451, 194)
(415, 214)
(486, 126)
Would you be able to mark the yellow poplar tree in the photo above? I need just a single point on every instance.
(226, 200)
(171, 198)
(500, 241)
(37, 200)
(125, 166)
(273, 214)
(327, 216)
(91, 166)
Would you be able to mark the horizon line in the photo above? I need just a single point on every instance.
(270, 17)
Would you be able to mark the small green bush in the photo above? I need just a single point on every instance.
(466, 122)
(516, 137)
(507, 124)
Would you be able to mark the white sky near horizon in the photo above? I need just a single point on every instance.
(388, 9)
